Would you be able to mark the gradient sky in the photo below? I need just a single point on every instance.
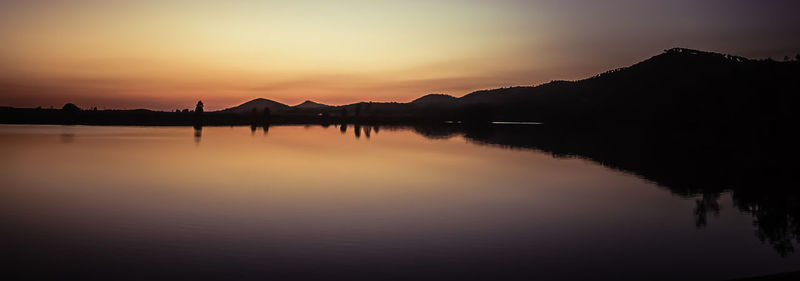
(168, 54)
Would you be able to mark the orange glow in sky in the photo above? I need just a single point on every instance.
(168, 54)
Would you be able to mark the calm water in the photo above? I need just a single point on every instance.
(312, 202)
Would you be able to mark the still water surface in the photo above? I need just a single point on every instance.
(312, 202)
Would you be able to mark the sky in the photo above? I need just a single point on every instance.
(168, 54)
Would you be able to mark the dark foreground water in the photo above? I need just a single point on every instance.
(294, 202)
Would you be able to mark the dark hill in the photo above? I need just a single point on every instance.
(311, 105)
(432, 99)
(678, 85)
(257, 104)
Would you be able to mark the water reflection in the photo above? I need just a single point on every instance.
(358, 129)
(198, 133)
(423, 202)
(67, 138)
(708, 203)
(759, 169)
(264, 128)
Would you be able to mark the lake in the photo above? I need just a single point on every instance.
(376, 203)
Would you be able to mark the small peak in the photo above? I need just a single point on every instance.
(433, 98)
(310, 104)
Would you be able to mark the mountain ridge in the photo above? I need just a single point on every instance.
(678, 77)
(257, 104)
(310, 104)
(676, 86)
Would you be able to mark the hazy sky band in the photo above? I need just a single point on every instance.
(168, 54)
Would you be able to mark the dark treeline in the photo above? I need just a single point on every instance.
(680, 85)
(757, 164)
(145, 117)
(72, 115)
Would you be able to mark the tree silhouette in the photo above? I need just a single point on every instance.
(199, 107)
(198, 114)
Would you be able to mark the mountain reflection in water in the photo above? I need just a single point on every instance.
(759, 170)
(425, 202)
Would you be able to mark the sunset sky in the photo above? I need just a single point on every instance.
(168, 54)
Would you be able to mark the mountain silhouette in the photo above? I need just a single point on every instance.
(433, 99)
(311, 105)
(258, 104)
(679, 85)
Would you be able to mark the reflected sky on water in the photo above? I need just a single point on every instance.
(355, 203)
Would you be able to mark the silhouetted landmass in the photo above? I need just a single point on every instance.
(311, 105)
(69, 107)
(433, 100)
(757, 164)
(679, 85)
(257, 104)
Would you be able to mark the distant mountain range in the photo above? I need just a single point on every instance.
(679, 84)
(260, 103)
